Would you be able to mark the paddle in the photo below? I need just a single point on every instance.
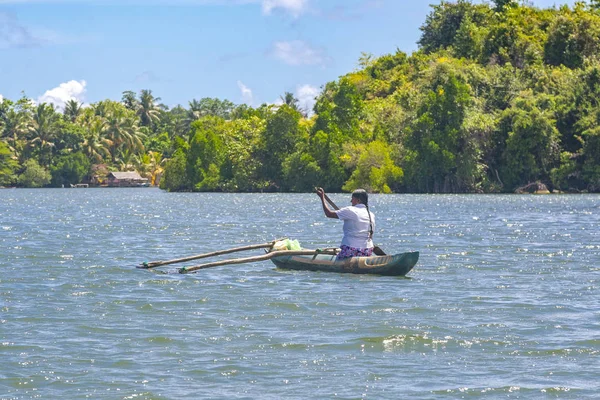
(331, 203)
(154, 264)
(376, 249)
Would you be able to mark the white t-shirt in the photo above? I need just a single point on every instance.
(356, 226)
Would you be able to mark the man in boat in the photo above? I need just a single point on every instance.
(358, 224)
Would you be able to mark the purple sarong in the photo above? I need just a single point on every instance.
(347, 252)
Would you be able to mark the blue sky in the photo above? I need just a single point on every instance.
(246, 51)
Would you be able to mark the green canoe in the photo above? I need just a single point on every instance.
(392, 265)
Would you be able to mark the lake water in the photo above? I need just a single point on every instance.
(504, 302)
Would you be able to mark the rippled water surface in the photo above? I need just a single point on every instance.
(504, 302)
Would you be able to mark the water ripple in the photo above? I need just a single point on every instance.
(501, 304)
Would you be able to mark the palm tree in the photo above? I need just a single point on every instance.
(43, 131)
(195, 111)
(365, 60)
(116, 131)
(149, 165)
(289, 99)
(137, 135)
(16, 126)
(123, 130)
(126, 159)
(179, 122)
(129, 101)
(148, 111)
(96, 145)
(141, 163)
(102, 108)
(72, 110)
(210, 106)
(156, 166)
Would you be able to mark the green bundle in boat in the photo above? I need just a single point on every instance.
(286, 244)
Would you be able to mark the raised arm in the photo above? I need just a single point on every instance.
(329, 213)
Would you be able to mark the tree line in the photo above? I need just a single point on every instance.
(498, 95)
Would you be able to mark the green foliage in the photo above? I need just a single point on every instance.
(175, 122)
(159, 143)
(591, 157)
(205, 154)
(15, 120)
(72, 110)
(436, 140)
(147, 109)
(498, 95)
(443, 23)
(240, 168)
(210, 107)
(290, 100)
(181, 144)
(565, 177)
(469, 39)
(96, 144)
(375, 171)
(382, 66)
(210, 179)
(70, 137)
(532, 146)
(347, 110)
(516, 36)
(130, 100)
(42, 132)
(472, 168)
(7, 166)
(301, 172)
(327, 153)
(572, 37)
(70, 169)
(174, 178)
(34, 175)
(501, 5)
(339, 112)
(280, 138)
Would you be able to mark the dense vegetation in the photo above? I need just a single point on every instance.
(498, 95)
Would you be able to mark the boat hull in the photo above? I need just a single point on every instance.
(392, 265)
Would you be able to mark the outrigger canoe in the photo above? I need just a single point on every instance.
(390, 265)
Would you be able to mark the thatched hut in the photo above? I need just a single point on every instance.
(125, 179)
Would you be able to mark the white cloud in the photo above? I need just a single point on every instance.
(306, 95)
(293, 7)
(72, 90)
(247, 96)
(298, 52)
(1, 98)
